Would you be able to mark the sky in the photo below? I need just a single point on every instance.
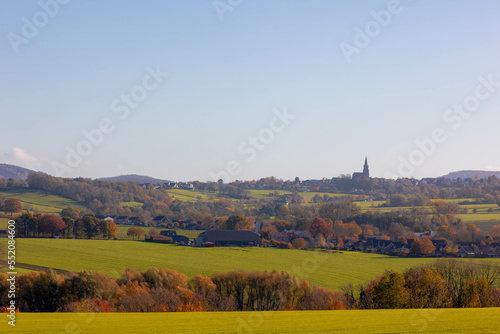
(240, 89)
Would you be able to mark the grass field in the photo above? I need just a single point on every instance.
(188, 195)
(37, 200)
(4, 223)
(132, 204)
(432, 321)
(112, 257)
(269, 193)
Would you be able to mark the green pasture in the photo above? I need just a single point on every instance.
(188, 195)
(111, 257)
(37, 200)
(132, 204)
(431, 321)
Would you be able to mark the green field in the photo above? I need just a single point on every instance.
(37, 200)
(269, 194)
(432, 321)
(188, 195)
(112, 257)
(132, 204)
(3, 223)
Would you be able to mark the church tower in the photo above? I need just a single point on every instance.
(366, 171)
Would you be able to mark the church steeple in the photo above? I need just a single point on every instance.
(366, 171)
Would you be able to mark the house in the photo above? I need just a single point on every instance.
(122, 220)
(180, 239)
(159, 220)
(285, 236)
(195, 227)
(229, 238)
(282, 200)
(168, 233)
(466, 251)
(170, 185)
(108, 219)
(186, 186)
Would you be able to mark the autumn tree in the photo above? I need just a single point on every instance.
(70, 212)
(426, 288)
(422, 247)
(112, 230)
(238, 222)
(339, 210)
(390, 292)
(12, 205)
(267, 231)
(27, 223)
(51, 224)
(474, 231)
(134, 232)
(90, 226)
(495, 232)
(444, 208)
(319, 226)
(70, 225)
(282, 224)
(353, 229)
(299, 243)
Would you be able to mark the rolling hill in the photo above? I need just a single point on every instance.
(134, 178)
(15, 172)
(463, 174)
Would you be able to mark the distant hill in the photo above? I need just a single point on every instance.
(15, 172)
(134, 178)
(463, 174)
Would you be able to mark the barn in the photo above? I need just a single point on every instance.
(229, 238)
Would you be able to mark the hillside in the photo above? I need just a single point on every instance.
(463, 174)
(41, 201)
(112, 257)
(15, 172)
(134, 178)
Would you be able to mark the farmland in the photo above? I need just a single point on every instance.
(457, 321)
(331, 270)
(38, 200)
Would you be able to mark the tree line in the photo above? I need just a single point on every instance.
(30, 224)
(444, 284)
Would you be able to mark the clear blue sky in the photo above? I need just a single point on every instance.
(229, 71)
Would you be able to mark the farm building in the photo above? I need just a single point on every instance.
(229, 238)
(179, 239)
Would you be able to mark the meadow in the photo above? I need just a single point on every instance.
(431, 321)
(4, 223)
(111, 257)
(37, 200)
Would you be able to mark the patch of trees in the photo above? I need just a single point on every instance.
(444, 284)
(400, 200)
(30, 224)
(11, 205)
(447, 283)
(166, 290)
